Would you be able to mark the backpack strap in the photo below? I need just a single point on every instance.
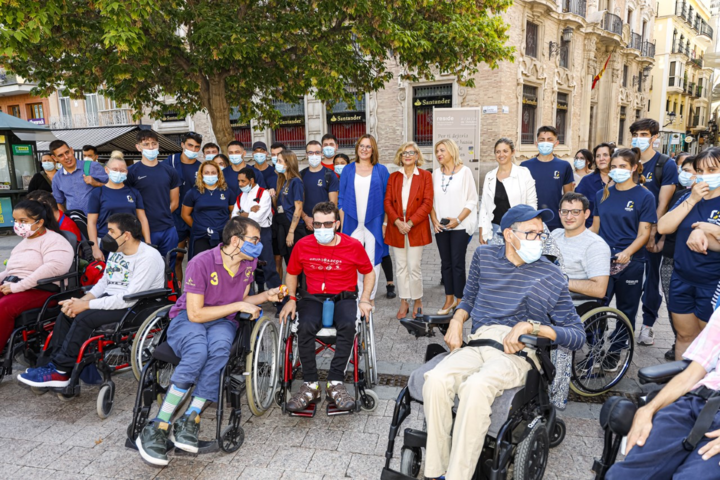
(86, 167)
(658, 172)
(259, 194)
(328, 172)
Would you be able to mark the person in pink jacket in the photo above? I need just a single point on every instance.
(43, 253)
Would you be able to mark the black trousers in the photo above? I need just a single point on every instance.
(70, 333)
(310, 315)
(452, 246)
(269, 273)
(387, 267)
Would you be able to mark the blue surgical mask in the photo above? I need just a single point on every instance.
(619, 175)
(314, 160)
(643, 143)
(530, 250)
(236, 159)
(579, 164)
(252, 250)
(545, 148)
(274, 159)
(280, 168)
(713, 180)
(210, 156)
(329, 152)
(49, 166)
(339, 169)
(117, 177)
(190, 154)
(324, 235)
(685, 179)
(259, 157)
(210, 179)
(246, 189)
(150, 154)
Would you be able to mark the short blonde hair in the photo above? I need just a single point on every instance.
(398, 155)
(117, 154)
(452, 148)
(200, 183)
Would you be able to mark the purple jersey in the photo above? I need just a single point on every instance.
(206, 275)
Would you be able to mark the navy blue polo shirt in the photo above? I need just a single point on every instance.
(317, 187)
(589, 186)
(210, 209)
(669, 175)
(154, 184)
(291, 192)
(696, 268)
(188, 174)
(106, 201)
(231, 178)
(550, 177)
(620, 216)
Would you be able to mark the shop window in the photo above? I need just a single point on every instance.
(291, 128)
(529, 115)
(531, 39)
(561, 116)
(14, 110)
(621, 132)
(424, 100)
(347, 122)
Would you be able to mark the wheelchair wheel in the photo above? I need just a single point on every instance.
(231, 439)
(65, 398)
(532, 454)
(367, 348)
(118, 359)
(39, 390)
(261, 363)
(370, 401)
(105, 401)
(606, 356)
(410, 461)
(558, 433)
(147, 338)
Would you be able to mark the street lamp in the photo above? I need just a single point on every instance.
(671, 116)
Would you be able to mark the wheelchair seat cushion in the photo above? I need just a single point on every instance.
(165, 353)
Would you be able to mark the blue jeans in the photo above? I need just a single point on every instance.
(204, 350)
(165, 241)
(663, 456)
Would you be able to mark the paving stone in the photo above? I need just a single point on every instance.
(34, 473)
(288, 475)
(323, 439)
(220, 471)
(355, 442)
(288, 436)
(254, 455)
(253, 473)
(365, 467)
(120, 463)
(44, 455)
(329, 463)
(295, 459)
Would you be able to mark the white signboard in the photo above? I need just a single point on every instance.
(463, 126)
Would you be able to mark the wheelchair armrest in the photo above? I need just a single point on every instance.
(48, 281)
(617, 415)
(538, 343)
(662, 373)
(437, 319)
(158, 292)
(242, 316)
(581, 297)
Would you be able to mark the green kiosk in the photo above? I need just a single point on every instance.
(18, 161)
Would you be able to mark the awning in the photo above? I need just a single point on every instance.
(107, 139)
(26, 131)
(28, 136)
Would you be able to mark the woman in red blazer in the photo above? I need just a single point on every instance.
(408, 202)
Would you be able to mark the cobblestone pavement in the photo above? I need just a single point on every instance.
(42, 437)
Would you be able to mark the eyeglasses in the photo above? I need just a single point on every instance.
(365, 147)
(150, 145)
(533, 235)
(314, 153)
(409, 154)
(253, 240)
(575, 212)
(324, 224)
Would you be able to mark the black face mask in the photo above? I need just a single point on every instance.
(110, 244)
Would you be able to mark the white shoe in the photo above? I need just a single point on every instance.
(646, 336)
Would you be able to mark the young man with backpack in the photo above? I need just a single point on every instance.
(320, 183)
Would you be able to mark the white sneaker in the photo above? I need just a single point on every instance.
(646, 337)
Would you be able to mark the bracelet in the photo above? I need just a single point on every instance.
(293, 298)
(384, 224)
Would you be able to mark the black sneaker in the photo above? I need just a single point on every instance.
(152, 443)
(670, 354)
(185, 432)
(391, 291)
(611, 362)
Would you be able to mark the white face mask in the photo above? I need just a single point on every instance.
(314, 160)
(530, 250)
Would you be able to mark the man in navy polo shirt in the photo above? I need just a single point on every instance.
(644, 133)
(236, 154)
(320, 183)
(159, 185)
(553, 177)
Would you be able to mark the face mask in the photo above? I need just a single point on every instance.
(339, 169)
(87, 159)
(210, 179)
(545, 148)
(641, 143)
(24, 230)
(210, 156)
(713, 180)
(329, 152)
(314, 160)
(619, 175)
(324, 235)
(117, 177)
(190, 155)
(260, 157)
(49, 166)
(685, 179)
(236, 159)
(246, 189)
(274, 160)
(280, 168)
(579, 164)
(110, 244)
(530, 251)
(151, 154)
(252, 250)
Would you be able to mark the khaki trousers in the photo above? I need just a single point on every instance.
(477, 375)
(408, 276)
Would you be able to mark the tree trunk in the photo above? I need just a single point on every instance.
(212, 95)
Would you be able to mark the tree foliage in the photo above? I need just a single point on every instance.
(214, 54)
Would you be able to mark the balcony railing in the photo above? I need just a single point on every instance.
(8, 79)
(635, 41)
(612, 23)
(105, 118)
(578, 7)
(697, 62)
(682, 10)
(681, 48)
(698, 91)
(648, 49)
(689, 87)
(706, 30)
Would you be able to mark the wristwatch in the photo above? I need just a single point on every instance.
(536, 327)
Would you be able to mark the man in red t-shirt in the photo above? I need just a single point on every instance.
(331, 262)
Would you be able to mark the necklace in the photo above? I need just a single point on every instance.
(443, 184)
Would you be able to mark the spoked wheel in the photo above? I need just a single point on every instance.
(232, 438)
(262, 365)
(279, 394)
(532, 454)
(105, 401)
(163, 373)
(410, 461)
(368, 351)
(148, 338)
(118, 359)
(606, 356)
(558, 433)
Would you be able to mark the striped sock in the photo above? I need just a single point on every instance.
(195, 406)
(172, 400)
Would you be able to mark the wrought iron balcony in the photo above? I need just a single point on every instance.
(104, 118)
(635, 41)
(612, 23)
(648, 49)
(697, 62)
(706, 30)
(578, 7)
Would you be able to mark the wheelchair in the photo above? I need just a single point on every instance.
(109, 346)
(362, 357)
(252, 366)
(32, 327)
(524, 424)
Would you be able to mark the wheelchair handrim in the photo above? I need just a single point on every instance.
(262, 366)
(140, 354)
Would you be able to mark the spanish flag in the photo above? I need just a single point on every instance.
(599, 75)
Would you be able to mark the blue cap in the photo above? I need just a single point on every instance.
(523, 213)
(260, 145)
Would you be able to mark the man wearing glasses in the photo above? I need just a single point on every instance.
(586, 256)
(511, 291)
(320, 183)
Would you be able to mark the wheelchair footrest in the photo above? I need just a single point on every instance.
(204, 447)
(309, 412)
(332, 410)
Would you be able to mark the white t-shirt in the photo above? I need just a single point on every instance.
(362, 193)
(584, 256)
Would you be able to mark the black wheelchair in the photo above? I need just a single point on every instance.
(251, 367)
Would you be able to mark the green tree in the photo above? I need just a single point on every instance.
(218, 54)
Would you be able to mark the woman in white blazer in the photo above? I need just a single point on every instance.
(505, 186)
